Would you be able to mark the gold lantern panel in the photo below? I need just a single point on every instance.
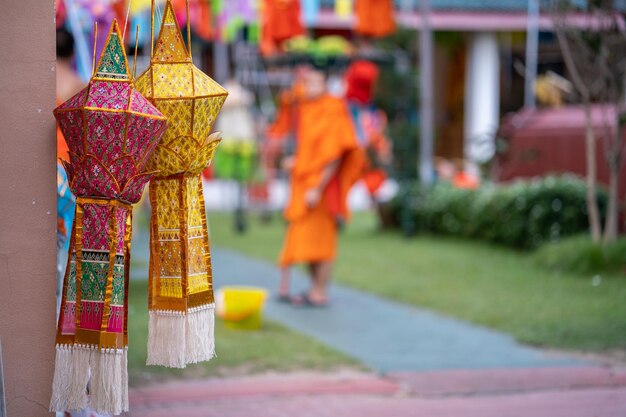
(181, 298)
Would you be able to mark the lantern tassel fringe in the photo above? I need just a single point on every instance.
(176, 339)
(166, 339)
(200, 338)
(71, 375)
(109, 379)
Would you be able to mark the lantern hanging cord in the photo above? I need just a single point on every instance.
(155, 10)
(126, 20)
(136, 47)
(188, 28)
(159, 11)
(151, 28)
(95, 39)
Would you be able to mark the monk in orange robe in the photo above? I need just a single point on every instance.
(327, 162)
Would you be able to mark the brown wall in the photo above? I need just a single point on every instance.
(450, 85)
(27, 204)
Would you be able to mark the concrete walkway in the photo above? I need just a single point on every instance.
(384, 335)
(551, 392)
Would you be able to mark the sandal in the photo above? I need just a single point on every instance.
(284, 298)
(304, 300)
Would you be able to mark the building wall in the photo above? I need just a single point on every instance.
(28, 204)
(449, 93)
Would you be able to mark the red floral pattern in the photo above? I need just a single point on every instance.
(108, 155)
(109, 95)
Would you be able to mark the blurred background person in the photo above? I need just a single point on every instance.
(326, 164)
(370, 124)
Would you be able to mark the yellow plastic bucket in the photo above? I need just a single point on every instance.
(241, 307)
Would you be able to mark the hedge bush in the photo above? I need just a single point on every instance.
(580, 255)
(523, 214)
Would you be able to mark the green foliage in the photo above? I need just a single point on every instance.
(579, 254)
(404, 136)
(450, 41)
(403, 39)
(397, 95)
(396, 92)
(522, 215)
(324, 47)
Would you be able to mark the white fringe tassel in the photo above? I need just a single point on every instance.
(109, 381)
(177, 339)
(166, 339)
(199, 337)
(71, 375)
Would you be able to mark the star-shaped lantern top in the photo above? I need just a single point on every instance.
(189, 98)
(111, 129)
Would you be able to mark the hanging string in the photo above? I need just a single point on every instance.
(188, 29)
(126, 21)
(155, 9)
(159, 12)
(136, 47)
(151, 28)
(95, 38)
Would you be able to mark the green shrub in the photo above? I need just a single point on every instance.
(523, 214)
(580, 255)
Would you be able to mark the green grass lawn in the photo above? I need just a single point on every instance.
(496, 287)
(239, 352)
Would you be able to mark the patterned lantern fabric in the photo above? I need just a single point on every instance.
(180, 287)
(111, 131)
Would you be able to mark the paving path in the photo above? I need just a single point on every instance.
(549, 392)
(384, 335)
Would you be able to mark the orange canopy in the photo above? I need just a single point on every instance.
(280, 20)
(374, 18)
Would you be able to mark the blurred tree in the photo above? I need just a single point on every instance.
(396, 94)
(595, 57)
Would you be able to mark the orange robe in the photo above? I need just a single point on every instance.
(374, 18)
(325, 134)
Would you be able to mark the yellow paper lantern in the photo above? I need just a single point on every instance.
(181, 299)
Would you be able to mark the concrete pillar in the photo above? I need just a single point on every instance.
(28, 204)
(427, 134)
(482, 97)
